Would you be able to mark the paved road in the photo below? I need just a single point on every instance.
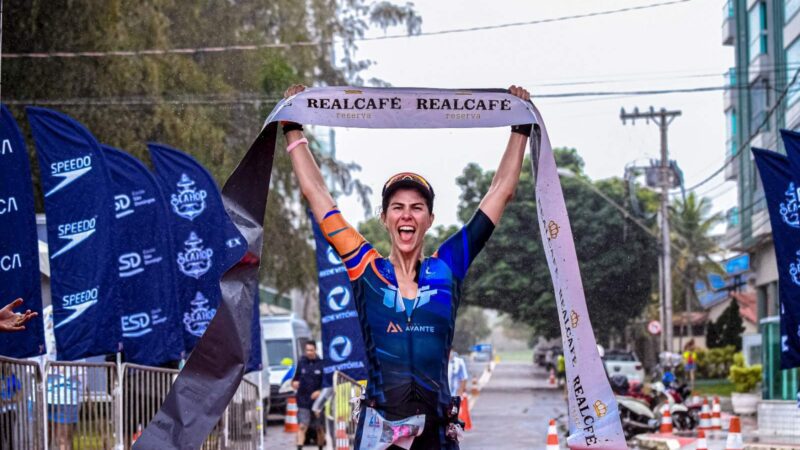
(514, 408)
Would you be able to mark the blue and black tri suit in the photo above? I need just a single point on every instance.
(408, 340)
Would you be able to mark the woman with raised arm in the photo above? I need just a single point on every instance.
(407, 301)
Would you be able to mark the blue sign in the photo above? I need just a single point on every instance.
(150, 312)
(206, 241)
(779, 190)
(717, 281)
(738, 264)
(80, 230)
(342, 342)
(19, 248)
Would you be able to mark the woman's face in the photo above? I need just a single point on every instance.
(407, 218)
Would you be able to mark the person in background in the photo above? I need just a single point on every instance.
(457, 375)
(11, 321)
(690, 362)
(307, 382)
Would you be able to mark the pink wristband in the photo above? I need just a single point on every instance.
(294, 144)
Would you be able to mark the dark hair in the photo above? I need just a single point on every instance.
(407, 180)
(311, 343)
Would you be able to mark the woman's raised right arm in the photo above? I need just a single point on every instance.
(312, 184)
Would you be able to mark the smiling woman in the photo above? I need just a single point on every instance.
(407, 302)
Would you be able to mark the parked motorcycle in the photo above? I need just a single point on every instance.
(635, 413)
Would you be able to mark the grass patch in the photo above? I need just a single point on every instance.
(722, 387)
(516, 356)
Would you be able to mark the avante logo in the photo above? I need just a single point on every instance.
(789, 208)
(122, 206)
(340, 348)
(196, 321)
(195, 261)
(7, 148)
(393, 328)
(69, 170)
(188, 202)
(75, 233)
(130, 264)
(338, 298)
(78, 303)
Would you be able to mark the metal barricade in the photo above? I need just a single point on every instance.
(145, 388)
(21, 424)
(345, 407)
(82, 404)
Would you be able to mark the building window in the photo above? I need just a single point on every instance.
(757, 30)
(759, 103)
(792, 66)
(730, 133)
(790, 8)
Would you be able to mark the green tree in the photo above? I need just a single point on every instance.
(471, 327)
(691, 224)
(728, 328)
(196, 102)
(617, 260)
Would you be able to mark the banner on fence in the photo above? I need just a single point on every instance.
(342, 343)
(780, 190)
(149, 308)
(80, 229)
(19, 245)
(206, 242)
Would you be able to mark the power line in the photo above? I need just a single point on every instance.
(746, 143)
(287, 45)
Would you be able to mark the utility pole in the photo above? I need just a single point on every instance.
(662, 118)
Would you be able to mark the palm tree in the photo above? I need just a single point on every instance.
(691, 225)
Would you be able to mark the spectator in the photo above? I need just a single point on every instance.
(307, 382)
(11, 321)
(457, 375)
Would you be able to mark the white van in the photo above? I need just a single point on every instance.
(284, 338)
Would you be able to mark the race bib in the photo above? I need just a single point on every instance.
(380, 434)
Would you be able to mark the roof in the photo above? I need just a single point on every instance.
(748, 305)
(697, 318)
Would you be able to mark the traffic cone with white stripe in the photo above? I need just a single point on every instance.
(705, 416)
(290, 421)
(716, 415)
(666, 421)
(734, 435)
(552, 380)
(552, 436)
(342, 441)
(702, 444)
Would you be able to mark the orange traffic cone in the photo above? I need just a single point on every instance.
(702, 444)
(552, 436)
(463, 413)
(716, 415)
(734, 435)
(137, 434)
(290, 421)
(666, 421)
(342, 441)
(552, 379)
(705, 416)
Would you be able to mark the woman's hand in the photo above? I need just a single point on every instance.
(11, 321)
(518, 91)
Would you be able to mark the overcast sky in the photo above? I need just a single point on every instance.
(674, 46)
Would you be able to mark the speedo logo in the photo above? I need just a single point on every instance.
(69, 170)
(78, 302)
(75, 233)
(412, 328)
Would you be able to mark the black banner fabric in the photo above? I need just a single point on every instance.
(212, 374)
